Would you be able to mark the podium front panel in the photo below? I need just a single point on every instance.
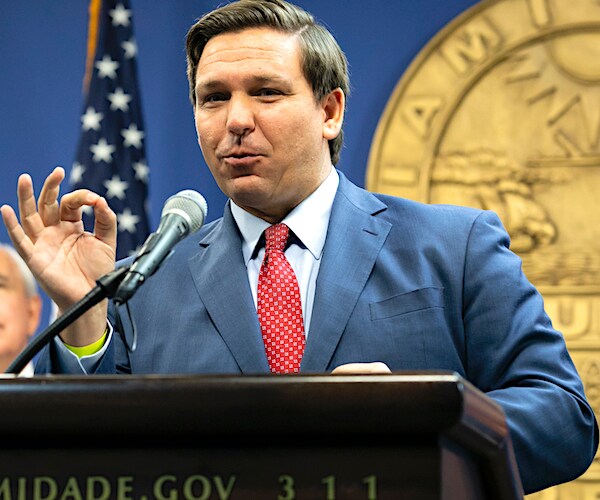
(411, 436)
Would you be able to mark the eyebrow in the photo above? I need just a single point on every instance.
(256, 80)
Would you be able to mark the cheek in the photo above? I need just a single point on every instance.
(13, 335)
(307, 138)
(293, 132)
(13, 310)
(208, 146)
(206, 129)
(203, 145)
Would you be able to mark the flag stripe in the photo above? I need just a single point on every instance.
(94, 13)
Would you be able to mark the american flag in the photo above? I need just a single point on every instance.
(111, 158)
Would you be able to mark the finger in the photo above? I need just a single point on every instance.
(105, 225)
(20, 240)
(362, 368)
(30, 219)
(71, 204)
(48, 201)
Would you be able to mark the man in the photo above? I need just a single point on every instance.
(383, 283)
(20, 307)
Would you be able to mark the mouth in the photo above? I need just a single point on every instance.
(241, 159)
(243, 155)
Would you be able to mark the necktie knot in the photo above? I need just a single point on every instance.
(276, 237)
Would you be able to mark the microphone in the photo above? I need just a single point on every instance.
(183, 214)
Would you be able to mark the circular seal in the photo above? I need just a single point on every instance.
(501, 111)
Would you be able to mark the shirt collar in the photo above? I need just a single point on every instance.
(308, 221)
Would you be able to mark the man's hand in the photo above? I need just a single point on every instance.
(375, 368)
(65, 259)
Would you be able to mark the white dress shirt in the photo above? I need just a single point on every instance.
(309, 222)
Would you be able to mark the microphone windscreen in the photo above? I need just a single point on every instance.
(191, 205)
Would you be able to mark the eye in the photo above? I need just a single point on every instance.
(267, 92)
(212, 98)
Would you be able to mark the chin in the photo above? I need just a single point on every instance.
(246, 187)
(247, 199)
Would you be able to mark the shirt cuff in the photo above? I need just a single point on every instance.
(70, 362)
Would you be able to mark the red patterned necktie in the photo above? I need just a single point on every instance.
(279, 306)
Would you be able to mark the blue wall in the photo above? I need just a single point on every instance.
(42, 57)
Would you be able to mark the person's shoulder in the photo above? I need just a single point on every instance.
(207, 231)
(394, 206)
(402, 212)
(209, 227)
(447, 213)
(188, 244)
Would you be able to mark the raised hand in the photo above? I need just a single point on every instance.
(65, 259)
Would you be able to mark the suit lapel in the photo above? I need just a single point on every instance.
(354, 239)
(221, 279)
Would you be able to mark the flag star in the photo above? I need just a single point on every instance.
(141, 171)
(120, 15)
(130, 48)
(133, 136)
(107, 67)
(86, 209)
(126, 221)
(102, 151)
(91, 120)
(76, 175)
(115, 187)
(119, 100)
(134, 251)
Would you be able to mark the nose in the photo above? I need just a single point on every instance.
(240, 116)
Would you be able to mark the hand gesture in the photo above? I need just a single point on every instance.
(65, 259)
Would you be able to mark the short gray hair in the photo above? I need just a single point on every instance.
(31, 289)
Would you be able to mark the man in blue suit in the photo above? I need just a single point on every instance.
(385, 283)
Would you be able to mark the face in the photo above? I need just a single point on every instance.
(19, 314)
(262, 132)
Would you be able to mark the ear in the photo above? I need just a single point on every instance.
(334, 105)
(34, 309)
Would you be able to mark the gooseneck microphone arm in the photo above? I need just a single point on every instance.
(106, 287)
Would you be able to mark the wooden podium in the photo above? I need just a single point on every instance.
(418, 436)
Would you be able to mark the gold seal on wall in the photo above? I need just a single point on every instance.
(501, 111)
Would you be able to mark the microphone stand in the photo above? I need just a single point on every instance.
(106, 287)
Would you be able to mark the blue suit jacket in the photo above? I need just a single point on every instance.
(416, 286)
